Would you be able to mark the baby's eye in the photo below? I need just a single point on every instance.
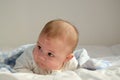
(50, 54)
(39, 47)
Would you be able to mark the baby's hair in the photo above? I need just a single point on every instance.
(55, 30)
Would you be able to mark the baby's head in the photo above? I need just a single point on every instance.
(55, 44)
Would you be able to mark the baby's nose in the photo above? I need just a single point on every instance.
(42, 58)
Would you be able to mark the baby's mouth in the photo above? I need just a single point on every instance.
(42, 65)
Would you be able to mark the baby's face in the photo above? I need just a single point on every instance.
(51, 54)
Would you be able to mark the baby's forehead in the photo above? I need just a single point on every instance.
(54, 44)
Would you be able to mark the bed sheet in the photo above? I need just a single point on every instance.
(111, 73)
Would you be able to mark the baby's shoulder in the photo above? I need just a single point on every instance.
(28, 49)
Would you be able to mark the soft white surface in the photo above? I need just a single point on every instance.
(111, 73)
(7, 76)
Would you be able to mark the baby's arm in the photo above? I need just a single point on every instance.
(82, 56)
(23, 63)
(84, 61)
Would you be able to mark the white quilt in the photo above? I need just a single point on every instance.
(111, 73)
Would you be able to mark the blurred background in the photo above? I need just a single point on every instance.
(21, 21)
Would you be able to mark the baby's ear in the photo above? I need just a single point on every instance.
(69, 57)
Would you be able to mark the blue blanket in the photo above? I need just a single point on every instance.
(8, 59)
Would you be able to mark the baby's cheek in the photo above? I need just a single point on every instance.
(36, 57)
(55, 65)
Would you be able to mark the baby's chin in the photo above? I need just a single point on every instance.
(50, 68)
(42, 66)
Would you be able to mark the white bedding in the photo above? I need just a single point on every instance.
(112, 73)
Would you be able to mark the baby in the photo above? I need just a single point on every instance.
(53, 50)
